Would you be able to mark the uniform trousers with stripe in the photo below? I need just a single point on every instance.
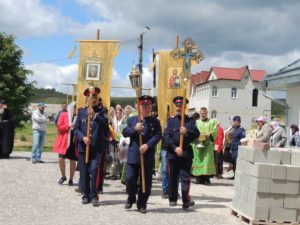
(132, 175)
(88, 174)
(179, 169)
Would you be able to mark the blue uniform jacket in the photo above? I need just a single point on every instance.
(172, 136)
(237, 134)
(99, 129)
(151, 135)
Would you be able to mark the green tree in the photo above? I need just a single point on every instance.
(14, 86)
(277, 110)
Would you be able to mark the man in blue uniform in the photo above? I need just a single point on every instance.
(97, 142)
(180, 160)
(237, 134)
(150, 130)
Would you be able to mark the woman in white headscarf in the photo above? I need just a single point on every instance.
(64, 144)
(278, 138)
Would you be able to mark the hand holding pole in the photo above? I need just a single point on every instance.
(88, 131)
(136, 83)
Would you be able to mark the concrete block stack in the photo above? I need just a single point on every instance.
(267, 184)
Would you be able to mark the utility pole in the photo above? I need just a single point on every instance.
(140, 47)
(154, 69)
(73, 89)
(98, 34)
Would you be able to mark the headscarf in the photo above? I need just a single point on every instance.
(70, 110)
(261, 119)
(275, 125)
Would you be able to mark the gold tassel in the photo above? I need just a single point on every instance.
(72, 52)
(112, 132)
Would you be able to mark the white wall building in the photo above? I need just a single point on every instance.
(287, 78)
(227, 92)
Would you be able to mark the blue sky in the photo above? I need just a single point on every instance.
(231, 33)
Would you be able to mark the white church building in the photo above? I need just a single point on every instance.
(227, 92)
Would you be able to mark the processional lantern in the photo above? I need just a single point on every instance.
(135, 79)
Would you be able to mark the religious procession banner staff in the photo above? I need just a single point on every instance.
(203, 149)
(95, 67)
(96, 142)
(180, 159)
(151, 134)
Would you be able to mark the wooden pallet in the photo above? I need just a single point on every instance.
(246, 219)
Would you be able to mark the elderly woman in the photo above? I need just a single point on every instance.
(278, 138)
(264, 132)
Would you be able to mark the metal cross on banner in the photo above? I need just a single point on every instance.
(189, 53)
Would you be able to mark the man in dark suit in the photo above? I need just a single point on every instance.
(150, 130)
(180, 159)
(7, 131)
(97, 143)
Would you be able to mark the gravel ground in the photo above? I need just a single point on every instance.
(31, 195)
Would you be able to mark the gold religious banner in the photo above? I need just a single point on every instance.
(169, 84)
(95, 68)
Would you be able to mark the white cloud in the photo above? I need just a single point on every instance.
(232, 33)
(48, 75)
(233, 59)
(28, 18)
(118, 82)
(264, 27)
(52, 76)
(267, 27)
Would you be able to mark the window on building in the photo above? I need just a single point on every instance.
(201, 93)
(214, 91)
(254, 97)
(213, 114)
(233, 92)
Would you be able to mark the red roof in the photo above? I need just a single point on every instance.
(200, 78)
(257, 75)
(229, 73)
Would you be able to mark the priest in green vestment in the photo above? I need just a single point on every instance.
(204, 163)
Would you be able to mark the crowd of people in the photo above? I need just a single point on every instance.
(121, 144)
(116, 138)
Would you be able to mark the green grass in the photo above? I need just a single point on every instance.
(23, 138)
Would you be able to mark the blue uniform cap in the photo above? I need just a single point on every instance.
(95, 92)
(178, 100)
(41, 104)
(236, 118)
(146, 100)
